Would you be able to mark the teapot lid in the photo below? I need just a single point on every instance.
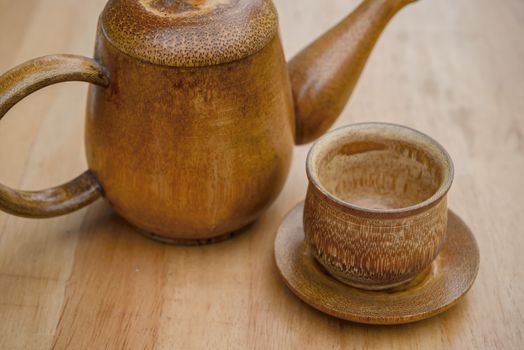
(189, 33)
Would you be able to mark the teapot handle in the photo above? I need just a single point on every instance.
(17, 84)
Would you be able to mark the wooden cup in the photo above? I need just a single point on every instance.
(375, 213)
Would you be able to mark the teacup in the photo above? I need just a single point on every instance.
(375, 213)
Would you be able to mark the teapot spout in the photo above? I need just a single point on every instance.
(324, 74)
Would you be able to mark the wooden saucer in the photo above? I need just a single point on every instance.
(434, 291)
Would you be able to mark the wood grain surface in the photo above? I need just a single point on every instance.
(452, 69)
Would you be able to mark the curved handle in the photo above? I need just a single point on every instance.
(17, 84)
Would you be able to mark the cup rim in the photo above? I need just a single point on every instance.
(426, 139)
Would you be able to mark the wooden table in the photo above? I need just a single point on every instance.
(453, 69)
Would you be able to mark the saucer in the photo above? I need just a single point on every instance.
(433, 291)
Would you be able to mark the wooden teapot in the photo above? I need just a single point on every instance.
(193, 111)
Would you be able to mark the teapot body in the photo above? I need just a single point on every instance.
(190, 153)
(194, 112)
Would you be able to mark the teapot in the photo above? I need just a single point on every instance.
(193, 111)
